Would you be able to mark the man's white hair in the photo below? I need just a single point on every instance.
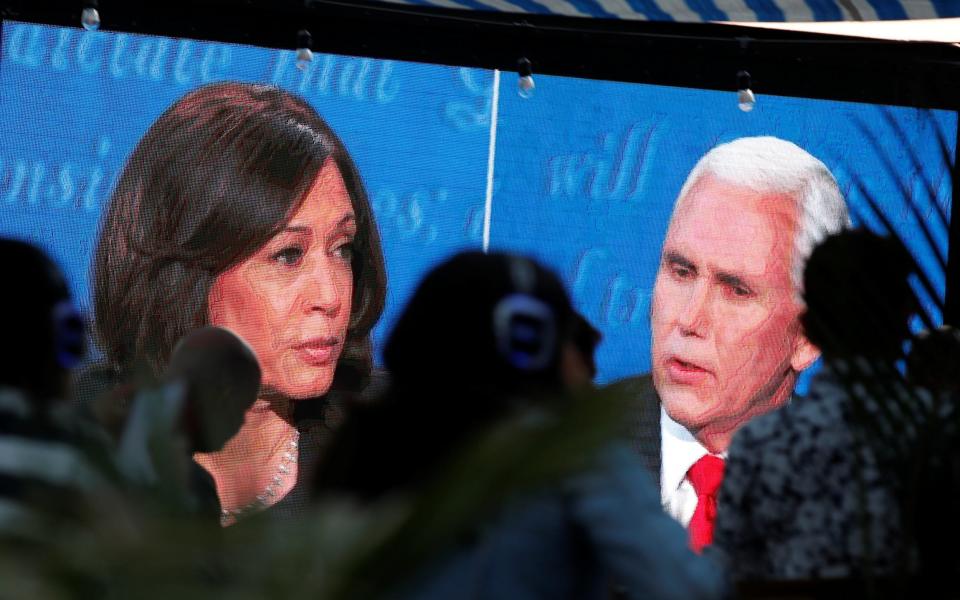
(770, 165)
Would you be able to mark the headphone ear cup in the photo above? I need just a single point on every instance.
(526, 332)
(69, 337)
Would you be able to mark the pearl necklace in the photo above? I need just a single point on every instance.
(231, 516)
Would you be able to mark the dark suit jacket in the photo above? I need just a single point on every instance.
(644, 423)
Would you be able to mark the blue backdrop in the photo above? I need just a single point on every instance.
(585, 172)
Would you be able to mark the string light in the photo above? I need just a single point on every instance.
(90, 17)
(745, 98)
(525, 85)
(304, 49)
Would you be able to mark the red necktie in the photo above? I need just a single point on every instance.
(705, 475)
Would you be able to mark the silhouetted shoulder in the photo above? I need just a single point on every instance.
(91, 381)
(643, 426)
(639, 386)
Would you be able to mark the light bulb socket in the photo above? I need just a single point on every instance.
(524, 67)
(743, 80)
(304, 40)
(91, 4)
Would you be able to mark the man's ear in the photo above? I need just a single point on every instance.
(804, 353)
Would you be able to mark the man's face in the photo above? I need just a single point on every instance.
(726, 335)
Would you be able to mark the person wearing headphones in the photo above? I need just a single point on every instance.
(50, 459)
(484, 337)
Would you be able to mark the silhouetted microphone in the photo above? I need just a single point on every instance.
(212, 380)
(221, 379)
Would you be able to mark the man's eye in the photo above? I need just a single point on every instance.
(682, 272)
(289, 256)
(741, 292)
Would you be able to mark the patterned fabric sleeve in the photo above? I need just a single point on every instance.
(738, 541)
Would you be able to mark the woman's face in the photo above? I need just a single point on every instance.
(291, 300)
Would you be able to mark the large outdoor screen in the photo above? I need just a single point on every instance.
(583, 175)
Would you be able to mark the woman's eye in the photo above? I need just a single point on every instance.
(344, 251)
(682, 272)
(289, 256)
(741, 292)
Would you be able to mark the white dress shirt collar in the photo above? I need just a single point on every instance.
(679, 450)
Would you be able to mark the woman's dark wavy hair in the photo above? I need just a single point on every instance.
(215, 177)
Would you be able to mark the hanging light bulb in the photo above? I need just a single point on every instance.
(525, 85)
(745, 98)
(90, 17)
(304, 52)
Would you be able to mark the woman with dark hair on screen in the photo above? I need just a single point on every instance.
(241, 208)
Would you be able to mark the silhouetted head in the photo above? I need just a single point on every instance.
(578, 361)
(858, 297)
(480, 325)
(42, 334)
(222, 380)
(482, 336)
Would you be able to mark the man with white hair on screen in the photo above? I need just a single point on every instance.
(727, 343)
